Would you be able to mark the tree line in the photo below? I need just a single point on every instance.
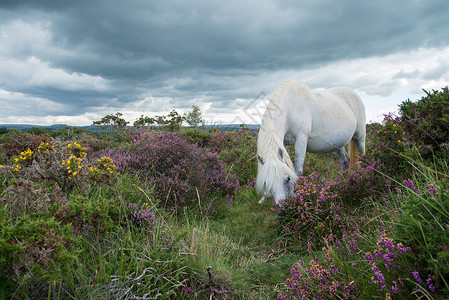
(171, 122)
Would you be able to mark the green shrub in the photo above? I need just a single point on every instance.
(36, 247)
(426, 123)
(197, 136)
(238, 150)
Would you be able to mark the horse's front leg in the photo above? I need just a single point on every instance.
(300, 154)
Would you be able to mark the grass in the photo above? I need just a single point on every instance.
(238, 252)
(240, 249)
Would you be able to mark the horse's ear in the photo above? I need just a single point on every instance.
(281, 154)
(260, 159)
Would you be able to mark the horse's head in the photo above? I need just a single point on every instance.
(275, 178)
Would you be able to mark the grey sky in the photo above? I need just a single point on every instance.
(76, 61)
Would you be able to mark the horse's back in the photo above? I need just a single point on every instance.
(350, 97)
(336, 115)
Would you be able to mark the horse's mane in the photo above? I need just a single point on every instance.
(269, 145)
(269, 141)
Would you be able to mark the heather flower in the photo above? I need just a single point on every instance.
(429, 284)
(142, 217)
(432, 189)
(229, 199)
(417, 277)
(181, 173)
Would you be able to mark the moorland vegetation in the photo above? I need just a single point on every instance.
(172, 214)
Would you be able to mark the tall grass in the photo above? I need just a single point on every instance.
(424, 221)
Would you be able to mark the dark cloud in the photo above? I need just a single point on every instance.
(210, 50)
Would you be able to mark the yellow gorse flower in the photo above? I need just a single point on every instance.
(24, 155)
(73, 163)
(76, 149)
(105, 166)
(45, 147)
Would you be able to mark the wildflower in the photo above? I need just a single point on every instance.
(432, 189)
(230, 200)
(429, 284)
(417, 277)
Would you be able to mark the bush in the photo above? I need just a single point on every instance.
(426, 123)
(348, 270)
(16, 141)
(386, 143)
(33, 247)
(197, 136)
(423, 125)
(356, 185)
(314, 215)
(182, 173)
(238, 150)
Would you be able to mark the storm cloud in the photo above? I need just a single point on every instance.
(76, 61)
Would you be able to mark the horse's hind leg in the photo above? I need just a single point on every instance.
(359, 145)
(359, 138)
(343, 158)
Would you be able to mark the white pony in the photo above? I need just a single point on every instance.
(319, 122)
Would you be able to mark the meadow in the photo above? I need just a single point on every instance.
(145, 214)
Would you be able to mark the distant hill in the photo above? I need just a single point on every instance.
(25, 127)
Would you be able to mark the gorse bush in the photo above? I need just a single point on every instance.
(15, 142)
(423, 124)
(61, 164)
(426, 123)
(387, 144)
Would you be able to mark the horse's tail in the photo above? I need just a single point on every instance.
(354, 163)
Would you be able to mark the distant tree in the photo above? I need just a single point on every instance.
(194, 118)
(172, 122)
(161, 121)
(243, 127)
(3, 130)
(144, 122)
(111, 122)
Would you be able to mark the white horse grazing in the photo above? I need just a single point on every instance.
(319, 122)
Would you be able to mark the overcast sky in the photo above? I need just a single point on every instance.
(74, 62)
